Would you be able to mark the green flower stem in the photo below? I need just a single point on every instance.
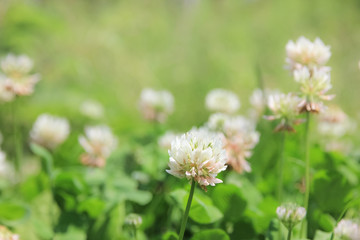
(187, 210)
(280, 172)
(281, 167)
(17, 138)
(289, 234)
(307, 170)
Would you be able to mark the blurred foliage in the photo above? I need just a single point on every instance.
(109, 51)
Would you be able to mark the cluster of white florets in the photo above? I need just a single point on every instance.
(16, 79)
(224, 101)
(307, 61)
(6, 234)
(347, 230)
(240, 137)
(290, 214)
(198, 155)
(284, 107)
(98, 143)
(156, 105)
(50, 131)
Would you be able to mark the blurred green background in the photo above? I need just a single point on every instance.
(110, 50)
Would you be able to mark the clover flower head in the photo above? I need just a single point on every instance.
(284, 107)
(166, 139)
(6, 234)
(334, 122)
(98, 143)
(198, 155)
(347, 230)
(290, 214)
(314, 84)
(6, 93)
(303, 52)
(156, 105)
(133, 220)
(221, 100)
(92, 109)
(216, 121)
(49, 131)
(17, 70)
(240, 138)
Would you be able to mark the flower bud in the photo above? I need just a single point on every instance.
(290, 214)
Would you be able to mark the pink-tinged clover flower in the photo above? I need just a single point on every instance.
(198, 155)
(18, 79)
(155, 105)
(304, 53)
(98, 143)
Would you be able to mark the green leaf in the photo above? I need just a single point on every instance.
(12, 213)
(92, 206)
(72, 233)
(331, 191)
(212, 234)
(108, 226)
(320, 235)
(230, 201)
(325, 221)
(170, 236)
(202, 208)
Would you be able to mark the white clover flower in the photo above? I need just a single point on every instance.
(133, 220)
(220, 100)
(334, 122)
(92, 109)
(6, 234)
(290, 214)
(259, 100)
(303, 52)
(6, 93)
(347, 230)
(98, 143)
(49, 131)
(16, 70)
(240, 138)
(285, 108)
(4, 166)
(156, 105)
(165, 140)
(314, 85)
(198, 155)
(216, 121)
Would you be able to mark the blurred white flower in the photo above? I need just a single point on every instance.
(50, 131)
(198, 155)
(156, 105)
(6, 93)
(347, 230)
(303, 52)
(240, 138)
(6, 234)
(284, 107)
(290, 214)
(216, 121)
(92, 109)
(314, 85)
(334, 122)
(3, 164)
(220, 100)
(166, 139)
(98, 143)
(259, 100)
(133, 220)
(16, 70)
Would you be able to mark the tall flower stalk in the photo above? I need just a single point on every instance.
(187, 210)
(307, 61)
(198, 156)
